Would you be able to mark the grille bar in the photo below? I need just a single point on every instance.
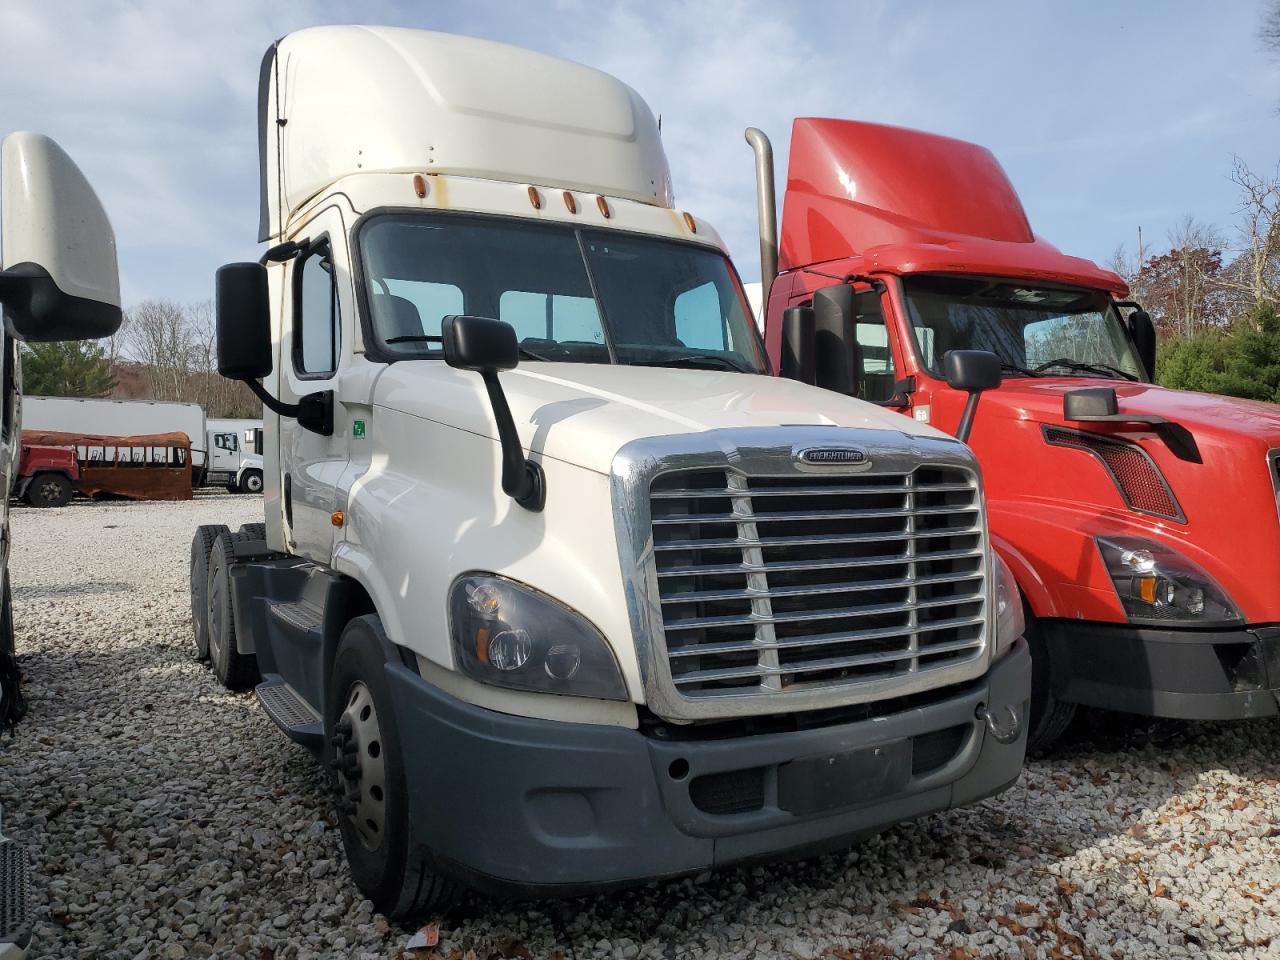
(769, 585)
(861, 659)
(821, 639)
(729, 543)
(818, 515)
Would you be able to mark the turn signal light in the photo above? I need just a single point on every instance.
(420, 185)
(337, 518)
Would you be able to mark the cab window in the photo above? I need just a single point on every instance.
(316, 322)
(877, 376)
(225, 441)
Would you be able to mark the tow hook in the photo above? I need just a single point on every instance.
(1012, 723)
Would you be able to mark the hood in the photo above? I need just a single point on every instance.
(583, 413)
(1204, 414)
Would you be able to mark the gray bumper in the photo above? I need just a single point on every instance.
(522, 806)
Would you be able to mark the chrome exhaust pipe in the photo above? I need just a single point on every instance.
(766, 210)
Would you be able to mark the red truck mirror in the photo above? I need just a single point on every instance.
(974, 372)
(837, 360)
(797, 361)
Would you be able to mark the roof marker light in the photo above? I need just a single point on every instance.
(603, 204)
(534, 198)
(570, 203)
(420, 185)
(690, 223)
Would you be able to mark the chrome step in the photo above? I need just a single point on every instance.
(290, 712)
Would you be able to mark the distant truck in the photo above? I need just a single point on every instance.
(565, 591)
(219, 453)
(47, 476)
(58, 281)
(1140, 522)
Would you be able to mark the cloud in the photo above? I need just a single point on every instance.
(1104, 118)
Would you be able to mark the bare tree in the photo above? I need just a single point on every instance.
(1255, 274)
(159, 338)
(1270, 29)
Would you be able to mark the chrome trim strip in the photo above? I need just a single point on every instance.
(760, 452)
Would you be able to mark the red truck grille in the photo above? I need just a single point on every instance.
(771, 585)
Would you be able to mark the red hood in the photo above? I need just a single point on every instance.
(1204, 414)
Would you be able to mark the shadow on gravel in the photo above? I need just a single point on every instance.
(85, 588)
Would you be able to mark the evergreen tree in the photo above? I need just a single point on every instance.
(1243, 361)
(67, 369)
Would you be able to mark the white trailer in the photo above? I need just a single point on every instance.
(565, 590)
(58, 281)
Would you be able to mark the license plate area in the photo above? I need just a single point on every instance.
(829, 781)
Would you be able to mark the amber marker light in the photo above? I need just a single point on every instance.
(690, 223)
(570, 204)
(420, 185)
(534, 198)
(337, 518)
(482, 645)
(603, 204)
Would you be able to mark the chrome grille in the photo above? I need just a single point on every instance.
(796, 583)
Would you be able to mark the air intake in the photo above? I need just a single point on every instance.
(1131, 468)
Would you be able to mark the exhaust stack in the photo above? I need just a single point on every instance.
(766, 209)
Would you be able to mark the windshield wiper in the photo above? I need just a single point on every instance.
(1014, 368)
(414, 338)
(695, 360)
(1104, 369)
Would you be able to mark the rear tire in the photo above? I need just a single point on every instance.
(201, 545)
(251, 482)
(13, 705)
(235, 670)
(1050, 717)
(253, 531)
(48, 490)
(365, 755)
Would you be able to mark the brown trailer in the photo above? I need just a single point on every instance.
(153, 466)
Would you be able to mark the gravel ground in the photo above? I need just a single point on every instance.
(167, 818)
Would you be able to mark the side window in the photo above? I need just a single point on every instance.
(558, 317)
(225, 441)
(878, 374)
(414, 308)
(317, 325)
(700, 323)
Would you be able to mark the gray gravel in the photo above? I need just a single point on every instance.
(167, 818)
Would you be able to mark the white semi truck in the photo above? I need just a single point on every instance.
(222, 451)
(562, 587)
(58, 281)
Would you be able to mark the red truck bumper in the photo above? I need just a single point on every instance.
(1184, 674)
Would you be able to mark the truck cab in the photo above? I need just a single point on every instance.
(58, 281)
(1105, 491)
(234, 459)
(566, 590)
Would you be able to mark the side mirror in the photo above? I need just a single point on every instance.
(797, 344)
(1143, 332)
(973, 371)
(837, 358)
(60, 280)
(243, 321)
(244, 344)
(486, 346)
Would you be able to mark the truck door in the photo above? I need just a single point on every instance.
(317, 322)
(224, 452)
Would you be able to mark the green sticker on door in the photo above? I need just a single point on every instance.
(357, 428)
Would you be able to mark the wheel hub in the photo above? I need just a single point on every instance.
(361, 766)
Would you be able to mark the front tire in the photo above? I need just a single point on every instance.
(48, 490)
(235, 670)
(201, 547)
(251, 482)
(365, 753)
(1050, 717)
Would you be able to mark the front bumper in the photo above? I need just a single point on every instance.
(1185, 674)
(520, 806)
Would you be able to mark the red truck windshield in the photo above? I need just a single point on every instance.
(1033, 330)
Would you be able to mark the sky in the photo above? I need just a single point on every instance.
(1107, 116)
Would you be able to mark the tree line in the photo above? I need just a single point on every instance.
(163, 351)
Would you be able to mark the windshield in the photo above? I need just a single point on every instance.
(1033, 330)
(588, 296)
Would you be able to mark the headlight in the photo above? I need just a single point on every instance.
(509, 635)
(1157, 585)
(1011, 623)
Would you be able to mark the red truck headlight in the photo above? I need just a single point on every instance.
(1158, 585)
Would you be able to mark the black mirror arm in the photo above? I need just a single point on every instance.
(522, 479)
(966, 418)
(314, 411)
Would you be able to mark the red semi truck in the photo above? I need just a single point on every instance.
(1141, 522)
